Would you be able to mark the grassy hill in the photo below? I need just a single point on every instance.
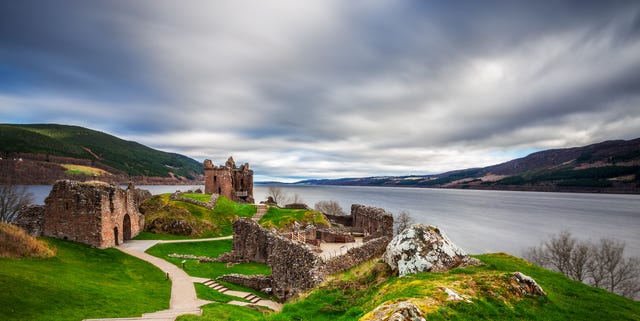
(98, 148)
(80, 282)
(351, 295)
(611, 166)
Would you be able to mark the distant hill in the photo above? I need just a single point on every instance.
(610, 166)
(42, 153)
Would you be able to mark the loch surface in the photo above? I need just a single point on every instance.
(481, 221)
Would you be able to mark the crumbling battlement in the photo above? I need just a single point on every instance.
(372, 222)
(235, 183)
(94, 213)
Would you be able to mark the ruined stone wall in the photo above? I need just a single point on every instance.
(373, 222)
(235, 183)
(256, 282)
(95, 213)
(31, 219)
(293, 268)
(372, 249)
(293, 265)
(251, 243)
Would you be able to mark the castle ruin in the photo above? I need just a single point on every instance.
(235, 183)
(93, 213)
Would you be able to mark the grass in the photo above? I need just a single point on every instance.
(80, 282)
(205, 222)
(350, 295)
(222, 312)
(282, 218)
(83, 170)
(198, 197)
(206, 293)
(209, 270)
(16, 243)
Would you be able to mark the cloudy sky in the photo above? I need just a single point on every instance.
(328, 88)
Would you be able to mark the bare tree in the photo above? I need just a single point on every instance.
(601, 265)
(278, 195)
(296, 199)
(12, 199)
(402, 221)
(329, 207)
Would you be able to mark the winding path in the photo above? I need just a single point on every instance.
(183, 294)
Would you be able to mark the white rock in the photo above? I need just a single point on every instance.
(422, 248)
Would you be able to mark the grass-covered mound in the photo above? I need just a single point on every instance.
(212, 249)
(172, 219)
(16, 243)
(283, 218)
(80, 282)
(352, 294)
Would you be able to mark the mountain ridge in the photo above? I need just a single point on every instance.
(611, 166)
(43, 153)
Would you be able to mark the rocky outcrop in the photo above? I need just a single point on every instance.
(526, 285)
(399, 311)
(422, 248)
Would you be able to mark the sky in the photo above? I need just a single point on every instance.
(328, 88)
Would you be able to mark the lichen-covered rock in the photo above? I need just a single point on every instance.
(526, 284)
(399, 311)
(422, 248)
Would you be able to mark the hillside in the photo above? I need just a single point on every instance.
(48, 151)
(610, 166)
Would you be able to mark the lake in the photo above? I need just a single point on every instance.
(480, 221)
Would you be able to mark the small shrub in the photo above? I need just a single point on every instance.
(16, 243)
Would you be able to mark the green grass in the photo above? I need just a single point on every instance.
(198, 197)
(350, 295)
(60, 140)
(282, 218)
(224, 312)
(206, 222)
(206, 293)
(80, 282)
(210, 249)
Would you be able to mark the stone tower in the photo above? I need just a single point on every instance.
(235, 183)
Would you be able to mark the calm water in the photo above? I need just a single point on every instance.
(481, 221)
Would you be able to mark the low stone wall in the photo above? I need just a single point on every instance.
(354, 256)
(257, 282)
(31, 219)
(177, 196)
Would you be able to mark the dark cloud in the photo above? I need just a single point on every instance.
(329, 88)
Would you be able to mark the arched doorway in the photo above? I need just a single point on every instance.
(115, 235)
(126, 228)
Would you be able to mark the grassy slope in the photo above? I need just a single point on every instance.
(212, 223)
(210, 249)
(61, 140)
(351, 294)
(283, 218)
(347, 299)
(80, 282)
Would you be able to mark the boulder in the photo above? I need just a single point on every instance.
(399, 311)
(526, 284)
(422, 248)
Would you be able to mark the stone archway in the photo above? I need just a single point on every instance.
(126, 228)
